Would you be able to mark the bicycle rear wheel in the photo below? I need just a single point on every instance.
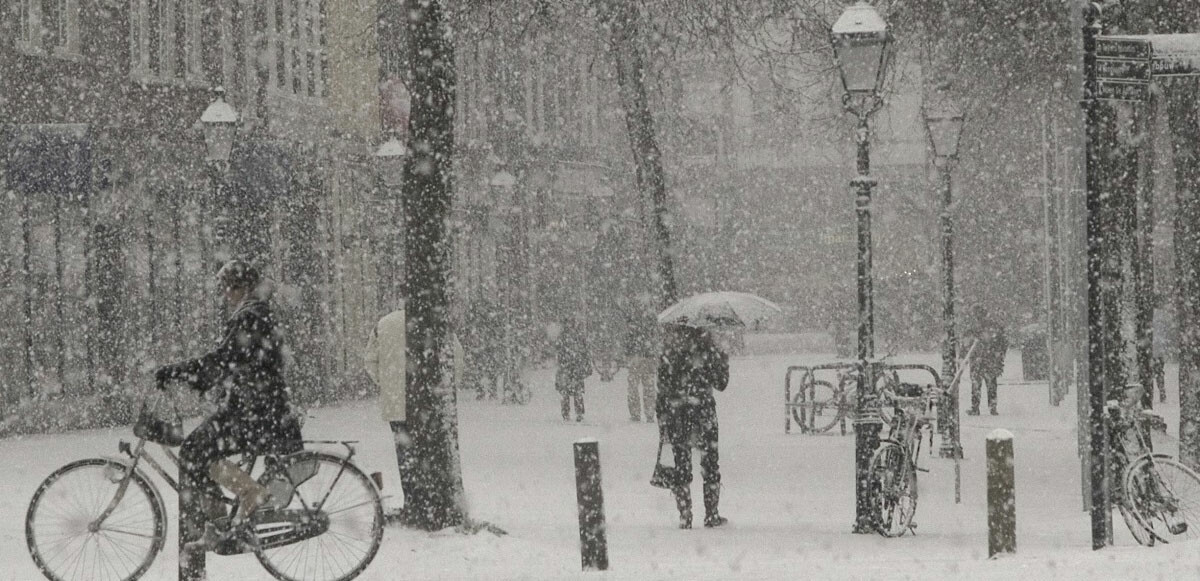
(64, 538)
(1164, 496)
(343, 494)
(894, 483)
(817, 406)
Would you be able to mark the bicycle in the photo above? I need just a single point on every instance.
(104, 518)
(818, 405)
(1157, 496)
(893, 468)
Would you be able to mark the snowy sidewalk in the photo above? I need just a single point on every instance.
(789, 497)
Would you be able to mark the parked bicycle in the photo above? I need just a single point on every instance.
(893, 468)
(1157, 496)
(818, 405)
(101, 519)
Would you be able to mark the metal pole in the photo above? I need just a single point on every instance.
(867, 424)
(1101, 512)
(951, 446)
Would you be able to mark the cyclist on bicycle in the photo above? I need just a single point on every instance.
(255, 416)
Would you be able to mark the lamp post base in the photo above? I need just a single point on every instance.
(866, 441)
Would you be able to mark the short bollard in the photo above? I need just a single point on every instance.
(1001, 496)
(593, 542)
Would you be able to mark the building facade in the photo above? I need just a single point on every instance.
(113, 221)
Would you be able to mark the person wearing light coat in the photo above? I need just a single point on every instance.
(386, 363)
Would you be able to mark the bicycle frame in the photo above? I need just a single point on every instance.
(138, 453)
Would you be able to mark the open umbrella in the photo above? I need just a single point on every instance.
(719, 309)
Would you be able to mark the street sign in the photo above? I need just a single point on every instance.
(1175, 55)
(1123, 70)
(1118, 91)
(1177, 65)
(1118, 47)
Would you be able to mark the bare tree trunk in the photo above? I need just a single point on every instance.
(433, 502)
(621, 18)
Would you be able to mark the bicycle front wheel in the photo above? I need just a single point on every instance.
(817, 406)
(1164, 496)
(894, 483)
(343, 494)
(66, 537)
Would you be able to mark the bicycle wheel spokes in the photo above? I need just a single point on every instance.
(1165, 496)
(65, 537)
(894, 484)
(355, 526)
(816, 406)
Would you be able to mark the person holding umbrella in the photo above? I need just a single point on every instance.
(690, 369)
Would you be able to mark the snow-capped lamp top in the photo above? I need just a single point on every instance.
(860, 40)
(389, 158)
(220, 122)
(860, 20)
(392, 148)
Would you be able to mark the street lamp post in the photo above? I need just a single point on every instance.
(944, 123)
(390, 157)
(502, 185)
(860, 46)
(219, 123)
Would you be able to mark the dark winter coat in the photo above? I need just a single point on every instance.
(690, 368)
(248, 365)
(574, 359)
(991, 345)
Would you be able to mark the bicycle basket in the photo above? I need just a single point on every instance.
(151, 427)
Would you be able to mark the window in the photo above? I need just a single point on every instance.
(50, 26)
(296, 42)
(165, 40)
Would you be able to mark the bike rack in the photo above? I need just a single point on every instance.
(808, 377)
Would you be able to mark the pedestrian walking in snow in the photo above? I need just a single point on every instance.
(1158, 367)
(987, 360)
(386, 363)
(481, 342)
(641, 353)
(574, 365)
(690, 368)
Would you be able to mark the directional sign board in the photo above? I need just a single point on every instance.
(1125, 70)
(1125, 65)
(1122, 47)
(1119, 91)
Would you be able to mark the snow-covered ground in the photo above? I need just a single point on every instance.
(790, 498)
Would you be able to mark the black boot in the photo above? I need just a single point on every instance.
(712, 495)
(683, 501)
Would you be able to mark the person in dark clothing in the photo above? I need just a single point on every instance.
(574, 365)
(255, 416)
(482, 341)
(987, 359)
(641, 352)
(690, 368)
